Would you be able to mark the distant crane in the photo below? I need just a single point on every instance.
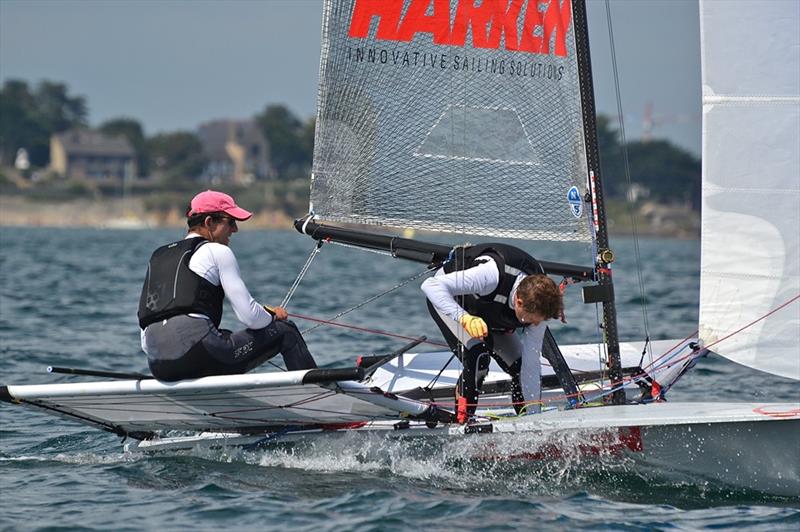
(649, 120)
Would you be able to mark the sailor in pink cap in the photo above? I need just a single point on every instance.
(180, 308)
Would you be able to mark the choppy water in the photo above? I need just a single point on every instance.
(69, 298)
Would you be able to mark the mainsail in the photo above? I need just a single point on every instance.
(451, 116)
(751, 183)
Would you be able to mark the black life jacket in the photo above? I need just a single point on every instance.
(510, 261)
(171, 288)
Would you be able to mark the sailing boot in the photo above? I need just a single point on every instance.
(513, 370)
(475, 361)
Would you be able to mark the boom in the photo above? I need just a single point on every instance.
(415, 250)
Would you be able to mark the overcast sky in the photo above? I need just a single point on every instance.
(174, 64)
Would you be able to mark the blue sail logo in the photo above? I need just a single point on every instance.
(575, 202)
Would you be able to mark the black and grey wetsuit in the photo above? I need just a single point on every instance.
(482, 280)
(180, 310)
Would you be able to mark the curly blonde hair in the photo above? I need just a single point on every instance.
(540, 295)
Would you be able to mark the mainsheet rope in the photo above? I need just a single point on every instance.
(321, 322)
(330, 321)
(314, 252)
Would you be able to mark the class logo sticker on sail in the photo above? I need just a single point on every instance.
(533, 26)
(575, 202)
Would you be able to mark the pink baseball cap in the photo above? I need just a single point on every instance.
(213, 201)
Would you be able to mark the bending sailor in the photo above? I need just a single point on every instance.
(180, 308)
(480, 299)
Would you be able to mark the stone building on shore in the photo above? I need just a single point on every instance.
(237, 151)
(89, 154)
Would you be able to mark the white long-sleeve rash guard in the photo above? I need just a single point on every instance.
(217, 264)
(442, 290)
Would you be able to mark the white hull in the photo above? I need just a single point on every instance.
(747, 445)
(744, 444)
(247, 403)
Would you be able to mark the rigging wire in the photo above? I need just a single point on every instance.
(303, 271)
(367, 301)
(360, 248)
(602, 352)
(461, 346)
(293, 288)
(626, 166)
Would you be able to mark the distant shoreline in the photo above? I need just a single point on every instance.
(652, 219)
(110, 214)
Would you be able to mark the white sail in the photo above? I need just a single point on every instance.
(442, 115)
(751, 183)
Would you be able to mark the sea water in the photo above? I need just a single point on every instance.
(69, 298)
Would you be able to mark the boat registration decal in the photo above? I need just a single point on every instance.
(575, 202)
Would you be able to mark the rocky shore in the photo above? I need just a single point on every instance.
(651, 219)
(109, 214)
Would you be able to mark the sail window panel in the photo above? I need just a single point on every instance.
(449, 138)
(488, 135)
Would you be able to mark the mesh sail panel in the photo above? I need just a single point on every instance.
(444, 116)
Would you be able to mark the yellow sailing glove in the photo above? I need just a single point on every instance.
(474, 325)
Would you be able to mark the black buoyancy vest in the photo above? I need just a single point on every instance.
(171, 288)
(511, 261)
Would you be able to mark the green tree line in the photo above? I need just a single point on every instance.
(670, 174)
(30, 115)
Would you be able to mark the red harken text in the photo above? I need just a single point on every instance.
(488, 22)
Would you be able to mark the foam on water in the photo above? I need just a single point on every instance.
(506, 463)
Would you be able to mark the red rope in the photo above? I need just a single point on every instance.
(363, 329)
(439, 344)
(667, 352)
(771, 312)
(624, 381)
